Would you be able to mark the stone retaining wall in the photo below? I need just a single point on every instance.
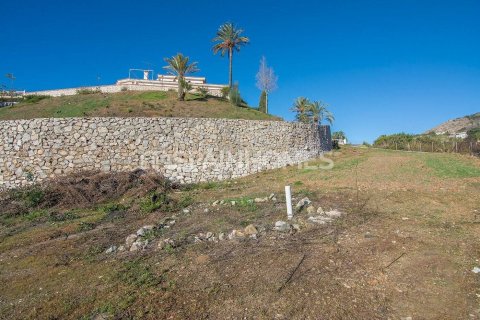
(186, 150)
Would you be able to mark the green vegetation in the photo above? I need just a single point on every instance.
(262, 104)
(450, 167)
(311, 111)
(339, 135)
(228, 40)
(33, 98)
(131, 104)
(88, 91)
(428, 142)
(180, 66)
(234, 97)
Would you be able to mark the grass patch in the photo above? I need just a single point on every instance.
(138, 274)
(60, 217)
(451, 167)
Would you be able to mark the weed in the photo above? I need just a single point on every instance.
(244, 203)
(34, 215)
(34, 98)
(113, 207)
(59, 217)
(92, 253)
(86, 226)
(138, 274)
(169, 249)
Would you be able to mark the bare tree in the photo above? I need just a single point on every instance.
(266, 80)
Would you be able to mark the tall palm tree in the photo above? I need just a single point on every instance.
(179, 66)
(302, 107)
(319, 112)
(229, 39)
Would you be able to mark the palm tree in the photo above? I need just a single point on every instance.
(318, 112)
(302, 107)
(229, 38)
(179, 66)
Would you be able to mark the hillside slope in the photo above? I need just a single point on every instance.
(458, 125)
(130, 104)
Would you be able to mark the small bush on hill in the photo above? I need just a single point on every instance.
(88, 91)
(33, 98)
(225, 92)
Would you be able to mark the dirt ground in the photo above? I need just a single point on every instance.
(404, 248)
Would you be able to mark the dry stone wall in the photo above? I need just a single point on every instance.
(186, 150)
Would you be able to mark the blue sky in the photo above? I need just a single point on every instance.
(382, 66)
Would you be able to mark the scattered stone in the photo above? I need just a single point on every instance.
(476, 270)
(130, 240)
(144, 229)
(250, 230)
(101, 316)
(222, 202)
(163, 243)
(302, 203)
(310, 209)
(405, 218)
(282, 226)
(221, 236)
(296, 227)
(172, 222)
(233, 203)
(209, 235)
(112, 249)
(274, 199)
(215, 203)
(320, 210)
(121, 248)
(206, 210)
(333, 214)
(260, 200)
(236, 234)
(319, 219)
(186, 211)
(271, 196)
(138, 245)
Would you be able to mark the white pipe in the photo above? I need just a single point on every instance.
(288, 197)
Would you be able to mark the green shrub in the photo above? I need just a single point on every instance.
(234, 96)
(262, 105)
(225, 92)
(202, 92)
(31, 197)
(112, 207)
(86, 226)
(88, 91)
(34, 98)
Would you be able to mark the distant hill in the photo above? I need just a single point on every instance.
(129, 104)
(458, 125)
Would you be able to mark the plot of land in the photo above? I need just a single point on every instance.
(405, 246)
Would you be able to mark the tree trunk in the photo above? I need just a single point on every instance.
(181, 96)
(266, 102)
(230, 56)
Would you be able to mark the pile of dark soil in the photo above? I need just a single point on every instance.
(83, 190)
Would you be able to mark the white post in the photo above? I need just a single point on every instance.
(288, 197)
